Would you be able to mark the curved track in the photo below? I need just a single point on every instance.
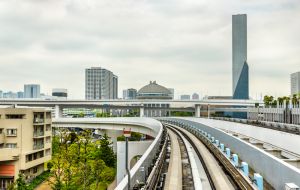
(212, 175)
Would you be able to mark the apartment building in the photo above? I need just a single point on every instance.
(25, 142)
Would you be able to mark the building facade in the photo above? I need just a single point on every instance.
(185, 97)
(172, 91)
(100, 84)
(20, 94)
(32, 91)
(295, 83)
(129, 94)
(60, 92)
(25, 143)
(155, 91)
(240, 70)
(195, 96)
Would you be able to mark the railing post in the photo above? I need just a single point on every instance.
(259, 181)
(228, 152)
(245, 169)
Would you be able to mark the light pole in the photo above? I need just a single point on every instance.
(127, 134)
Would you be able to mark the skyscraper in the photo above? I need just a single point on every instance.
(240, 73)
(100, 83)
(32, 91)
(295, 83)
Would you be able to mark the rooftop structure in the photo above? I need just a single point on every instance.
(60, 92)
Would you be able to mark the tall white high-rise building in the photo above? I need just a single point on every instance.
(32, 91)
(295, 83)
(240, 73)
(100, 83)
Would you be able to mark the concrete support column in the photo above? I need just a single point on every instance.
(208, 111)
(197, 110)
(113, 134)
(134, 148)
(58, 111)
(142, 111)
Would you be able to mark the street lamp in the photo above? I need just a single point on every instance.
(127, 134)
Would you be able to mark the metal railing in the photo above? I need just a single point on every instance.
(38, 120)
(38, 146)
(38, 133)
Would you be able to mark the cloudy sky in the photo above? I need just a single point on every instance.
(183, 44)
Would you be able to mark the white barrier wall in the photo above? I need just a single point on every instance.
(135, 148)
(280, 139)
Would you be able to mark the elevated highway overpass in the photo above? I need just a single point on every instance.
(142, 105)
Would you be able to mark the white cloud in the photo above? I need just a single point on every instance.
(181, 44)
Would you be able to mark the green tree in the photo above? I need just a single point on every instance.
(268, 100)
(78, 163)
(81, 114)
(107, 154)
(21, 184)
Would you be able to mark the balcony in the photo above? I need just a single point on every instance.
(38, 146)
(37, 134)
(9, 154)
(38, 120)
(11, 135)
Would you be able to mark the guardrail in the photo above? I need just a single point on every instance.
(146, 162)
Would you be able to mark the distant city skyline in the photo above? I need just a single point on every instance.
(165, 43)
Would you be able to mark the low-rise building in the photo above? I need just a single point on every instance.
(25, 143)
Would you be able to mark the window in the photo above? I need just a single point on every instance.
(48, 139)
(11, 145)
(1, 131)
(48, 152)
(11, 132)
(48, 127)
(34, 170)
(15, 116)
(28, 157)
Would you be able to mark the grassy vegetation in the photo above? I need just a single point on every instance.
(38, 180)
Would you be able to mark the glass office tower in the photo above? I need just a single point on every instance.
(240, 73)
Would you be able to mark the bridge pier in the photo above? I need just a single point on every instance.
(58, 111)
(142, 111)
(197, 110)
(135, 148)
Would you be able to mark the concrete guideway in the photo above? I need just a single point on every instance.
(219, 178)
(174, 175)
(275, 171)
(192, 159)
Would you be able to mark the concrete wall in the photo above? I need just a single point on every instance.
(135, 148)
(280, 139)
